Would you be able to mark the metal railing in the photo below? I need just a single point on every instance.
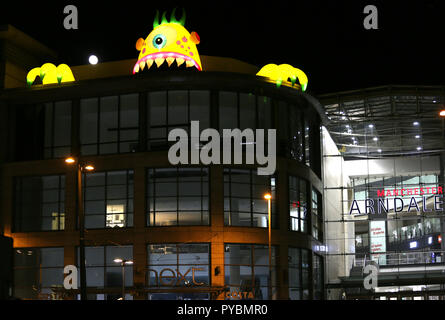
(401, 258)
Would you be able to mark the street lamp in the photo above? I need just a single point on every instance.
(81, 167)
(268, 197)
(123, 262)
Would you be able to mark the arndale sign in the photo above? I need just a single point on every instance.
(400, 200)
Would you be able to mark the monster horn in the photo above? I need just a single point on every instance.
(164, 18)
(182, 21)
(172, 17)
(156, 20)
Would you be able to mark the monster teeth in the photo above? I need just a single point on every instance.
(189, 63)
(179, 61)
(170, 60)
(136, 68)
(159, 61)
(149, 63)
(142, 65)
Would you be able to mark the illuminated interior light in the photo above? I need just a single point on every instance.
(415, 123)
(419, 148)
(170, 41)
(371, 125)
(375, 138)
(442, 113)
(417, 136)
(379, 150)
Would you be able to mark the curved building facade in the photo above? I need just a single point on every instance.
(180, 231)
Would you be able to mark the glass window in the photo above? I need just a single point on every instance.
(178, 196)
(175, 109)
(178, 265)
(317, 215)
(103, 272)
(57, 129)
(247, 111)
(39, 203)
(298, 200)
(109, 124)
(298, 274)
(247, 272)
(38, 272)
(307, 143)
(108, 199)
(244, 203)
(318, 274)
(228, 110)
(296, 133)
(264, 112)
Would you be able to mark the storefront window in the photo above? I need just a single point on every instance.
(108, 199)
(247, 272)
(244, 203)
(39, 203)
(178, 196)
(318, 275)
(103, 272)
(178, 265)
(38, 273)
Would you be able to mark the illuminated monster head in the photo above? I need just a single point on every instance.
(169, 41)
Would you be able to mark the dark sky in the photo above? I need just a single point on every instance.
(326, 39)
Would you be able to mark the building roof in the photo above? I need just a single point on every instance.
(386, 121)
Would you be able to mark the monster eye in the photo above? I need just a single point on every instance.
(159, 41)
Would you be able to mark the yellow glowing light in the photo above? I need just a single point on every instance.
(168, 42)
(267, 196)
(49, 73)
(442, 113)
(89, 167)
(283, 72)
(70, 160)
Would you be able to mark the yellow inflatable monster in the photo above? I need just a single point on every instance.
(282, 72)
(49, 73)
(169, 41)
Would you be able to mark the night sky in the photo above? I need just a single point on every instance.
(326, 39)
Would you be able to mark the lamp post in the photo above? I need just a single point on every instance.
(268, 197)
(81, 220)
(123, 262)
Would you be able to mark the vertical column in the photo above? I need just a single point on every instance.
(139, 245)
(216, 184)
(281, 267)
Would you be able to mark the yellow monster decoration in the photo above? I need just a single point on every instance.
(169, 41)
(49, 73)
(282, 72)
